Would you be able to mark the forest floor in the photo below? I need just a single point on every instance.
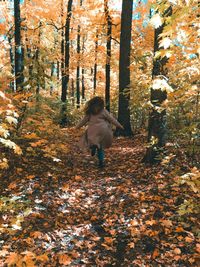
(58, 209)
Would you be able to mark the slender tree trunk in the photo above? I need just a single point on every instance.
(78, 68)
(62, 50)
(95, 62)
(108, 53)
(83, 71)
(19, 55)
(72, 92)
(65, 78)
(158, 115)
(37, 58)
(12, 62)
(65, 59)
(58, 70)
(124, 68)
(78, 50)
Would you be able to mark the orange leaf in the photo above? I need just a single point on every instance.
(179, 229)
(78, 178)
(108, 240)
(13, 258)
(12, 185)
(155, 253)
(177, 251)
(36, 234)
(43, 257)
(189, 239)
(65, 259)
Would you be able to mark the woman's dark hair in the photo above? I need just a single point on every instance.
(94, 106)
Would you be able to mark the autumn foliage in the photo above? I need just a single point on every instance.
(56, 207)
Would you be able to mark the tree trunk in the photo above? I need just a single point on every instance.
(124, 68)
(72, 92)
(108, 53)
(65, 58)
(78, 68)
(157, 118)
(95, 62)
(19, 55)
(58, 70)
(12, 62)
(83, 71)
(37, 58)
(78, 50)
(67, 52)
(63, 96)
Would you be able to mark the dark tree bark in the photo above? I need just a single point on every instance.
(62, 51)
(78, 50)
(12, 61)
(108, 53)
(58, 70)
(124, 68)
(157, 118)
(19, 54)
(95, 62)
(78, 68)
(83, 71)
(65, 59)
(66, 44)
(72, 92)
(37, 58)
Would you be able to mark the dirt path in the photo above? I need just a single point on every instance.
(64, 211)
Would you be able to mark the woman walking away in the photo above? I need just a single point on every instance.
(98, 135)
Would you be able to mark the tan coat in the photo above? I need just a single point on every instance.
(99, 131)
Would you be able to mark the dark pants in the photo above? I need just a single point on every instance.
(100, 154)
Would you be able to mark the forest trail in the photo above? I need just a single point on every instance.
(62, 210)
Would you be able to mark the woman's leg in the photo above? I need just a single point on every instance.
(100, 154)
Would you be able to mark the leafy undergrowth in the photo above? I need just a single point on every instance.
(58, 209)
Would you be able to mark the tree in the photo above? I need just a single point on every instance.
(83, 70)
(19, 53)
(124, 68)
(66, 52)
(108, 53)
(158, 115)
(95, 62)
(65, 80)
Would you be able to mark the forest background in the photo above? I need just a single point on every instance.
(142, 57)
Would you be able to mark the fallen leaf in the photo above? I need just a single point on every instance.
(177, 251)
(64, 259)
(155, 253)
